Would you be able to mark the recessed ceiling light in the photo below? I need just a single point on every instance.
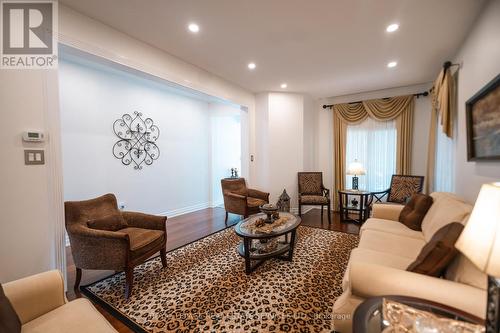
(392, 64)
(251, 65)
(193, 27)
(392, 27)
(284, 85)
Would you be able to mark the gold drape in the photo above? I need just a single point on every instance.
(385, 109)
(444, 94)
(340, 137)
(442, 100)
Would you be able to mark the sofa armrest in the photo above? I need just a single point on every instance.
(145, 221)
(369, 280)
(386, 211)
(36, 295)
(258, 194)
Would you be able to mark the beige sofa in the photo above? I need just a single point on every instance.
(40, 303)
(378, 265)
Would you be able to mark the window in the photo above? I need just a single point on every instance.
(444, 172)
(373, 143)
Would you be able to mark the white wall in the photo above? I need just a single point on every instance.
(421, 123)
(285, 141)
(480, 59)
(225, 144)
(31, 197)
(92, 97)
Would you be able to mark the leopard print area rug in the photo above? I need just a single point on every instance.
(205, 288)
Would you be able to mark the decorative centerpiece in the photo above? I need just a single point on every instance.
(271, 211)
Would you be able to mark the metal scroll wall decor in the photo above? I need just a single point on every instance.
(137, 144)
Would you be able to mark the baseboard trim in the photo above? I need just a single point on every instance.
(186, 210)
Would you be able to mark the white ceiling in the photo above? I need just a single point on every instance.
(320, 47)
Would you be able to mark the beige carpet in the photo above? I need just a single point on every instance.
(205, 287)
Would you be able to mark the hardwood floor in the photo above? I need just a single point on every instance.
(187, 228)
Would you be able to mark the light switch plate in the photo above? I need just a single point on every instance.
(34, 157)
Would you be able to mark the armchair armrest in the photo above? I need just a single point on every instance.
(387, 211)
(368, 280)
(36, 295)
(258, 194)
(326, 191)
(98, 249)
(380, 195)
(145, 221)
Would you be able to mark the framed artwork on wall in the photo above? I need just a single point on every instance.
(483, 123)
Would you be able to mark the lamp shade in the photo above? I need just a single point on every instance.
(356, 169)
(480, 240)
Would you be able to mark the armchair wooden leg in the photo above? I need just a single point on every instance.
(129, 281)
(329, 214)
(163, 256)
(227, 216)
(300, 210)
(78, 278)
(321, 214)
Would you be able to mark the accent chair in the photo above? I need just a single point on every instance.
(312, 192)
(401, 189)
(103, 237)
(241, 200)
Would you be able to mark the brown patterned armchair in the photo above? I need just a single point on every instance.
(401, 189)
(238, 199)
(312, 192)
(103, 237)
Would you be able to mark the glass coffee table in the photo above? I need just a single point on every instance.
(270, 240)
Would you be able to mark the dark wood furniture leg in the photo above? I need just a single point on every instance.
(292, 245)
(227, 216)
(163, 256)
(329, 213)
(246, 245)
(300, 210)
(78, 278)
(321, 214)
(129, 281)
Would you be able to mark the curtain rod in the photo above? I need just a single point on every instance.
(425, 93)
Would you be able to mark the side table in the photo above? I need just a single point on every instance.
(361, 209)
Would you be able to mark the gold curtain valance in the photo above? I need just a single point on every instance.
(399, 108)
(383, 109)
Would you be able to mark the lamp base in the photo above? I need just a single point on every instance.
(493, 306)
(355, 182)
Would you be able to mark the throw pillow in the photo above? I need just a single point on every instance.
(113, 222)
(414, 211)
(439, 252)
(9, 320)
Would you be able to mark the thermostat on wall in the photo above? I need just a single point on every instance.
(33, 136)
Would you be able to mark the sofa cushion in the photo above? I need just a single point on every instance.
(446, 208)
(387, 242)
(313, 199)
(143, 240)
(390, 226)
(76, 316)
(414, 211)
(9, 320)
(462, 270)
(439, 252)
(112, 222)
(254, 202)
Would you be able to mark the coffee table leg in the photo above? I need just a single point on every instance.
(292, 244)
(247, 245)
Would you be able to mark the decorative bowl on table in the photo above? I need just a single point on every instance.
(270, 210)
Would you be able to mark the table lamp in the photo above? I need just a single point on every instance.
(480, 243)
(355, 169)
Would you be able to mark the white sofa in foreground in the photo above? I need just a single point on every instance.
(40, 303)
(387, 247)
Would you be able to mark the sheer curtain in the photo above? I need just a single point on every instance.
(373, 143)
(444, 172)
